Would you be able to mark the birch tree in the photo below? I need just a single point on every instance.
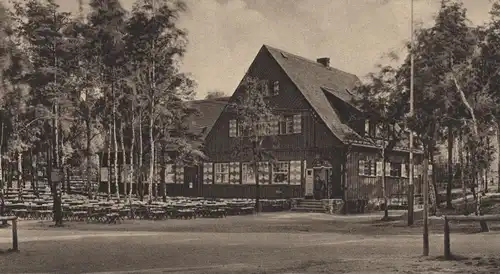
(40, 26)
(383, 113)
(158, 47)
(106, 23)
(253, 115)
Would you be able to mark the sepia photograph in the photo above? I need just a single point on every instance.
(249, 136)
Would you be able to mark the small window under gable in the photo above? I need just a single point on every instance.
(265, 89)
(276, 88)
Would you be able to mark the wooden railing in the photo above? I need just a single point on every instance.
(13, 220)
(481, 219)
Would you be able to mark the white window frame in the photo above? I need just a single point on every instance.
(367, 165)
(247, 174)
(281, 168)
(391, 170)
(221, 169)
(264, 128)
(286, 124)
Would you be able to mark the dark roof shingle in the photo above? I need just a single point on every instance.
(208, 112)
(311, 78)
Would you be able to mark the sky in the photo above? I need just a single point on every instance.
(225, 35)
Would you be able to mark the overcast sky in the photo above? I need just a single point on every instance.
(225, 35)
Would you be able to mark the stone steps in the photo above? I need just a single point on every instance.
(308, 210)
(309, 206)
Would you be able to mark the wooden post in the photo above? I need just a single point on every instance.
(14, 235)
(447, 252)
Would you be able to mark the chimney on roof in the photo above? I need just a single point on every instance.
(325, 61)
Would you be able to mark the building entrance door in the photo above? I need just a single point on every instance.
(322, 184)
(309, 186)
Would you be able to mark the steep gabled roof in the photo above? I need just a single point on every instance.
(208, 112)
(311, 78)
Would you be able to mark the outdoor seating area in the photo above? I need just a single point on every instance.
(27, 206)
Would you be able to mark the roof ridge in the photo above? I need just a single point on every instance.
(308, 60)
(222, 100)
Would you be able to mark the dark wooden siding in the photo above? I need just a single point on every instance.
(249, 191)
(370, 187)
(314, 141)
(289, 100)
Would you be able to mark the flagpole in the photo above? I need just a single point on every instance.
(411, 188)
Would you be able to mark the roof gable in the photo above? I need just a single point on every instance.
(311, 78)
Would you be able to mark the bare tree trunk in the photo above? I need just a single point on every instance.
(124, 157)
(63, 171)
(155, 171)
(20, 185)
(425, 191)
(57, 207)
(257, 186)
(462, 171)
(56, 123)
(141, 151)
(65, 184)
(131, 155)
(109, 164)
(432, 185)
(450, 168)
(163, 174)
(88, 154)
(151, 163)
(384, 188)
(34, 175)
(115, 162)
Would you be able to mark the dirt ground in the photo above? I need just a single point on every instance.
(266, 243)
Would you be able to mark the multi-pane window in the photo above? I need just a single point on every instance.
(242, 130)
(221, 173)
(280, 173)
(247, 174)
(263, 128)
(286, 124)
(367, 168)
(395, 170)
(274, 125)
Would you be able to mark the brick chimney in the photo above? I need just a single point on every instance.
(325, 61)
